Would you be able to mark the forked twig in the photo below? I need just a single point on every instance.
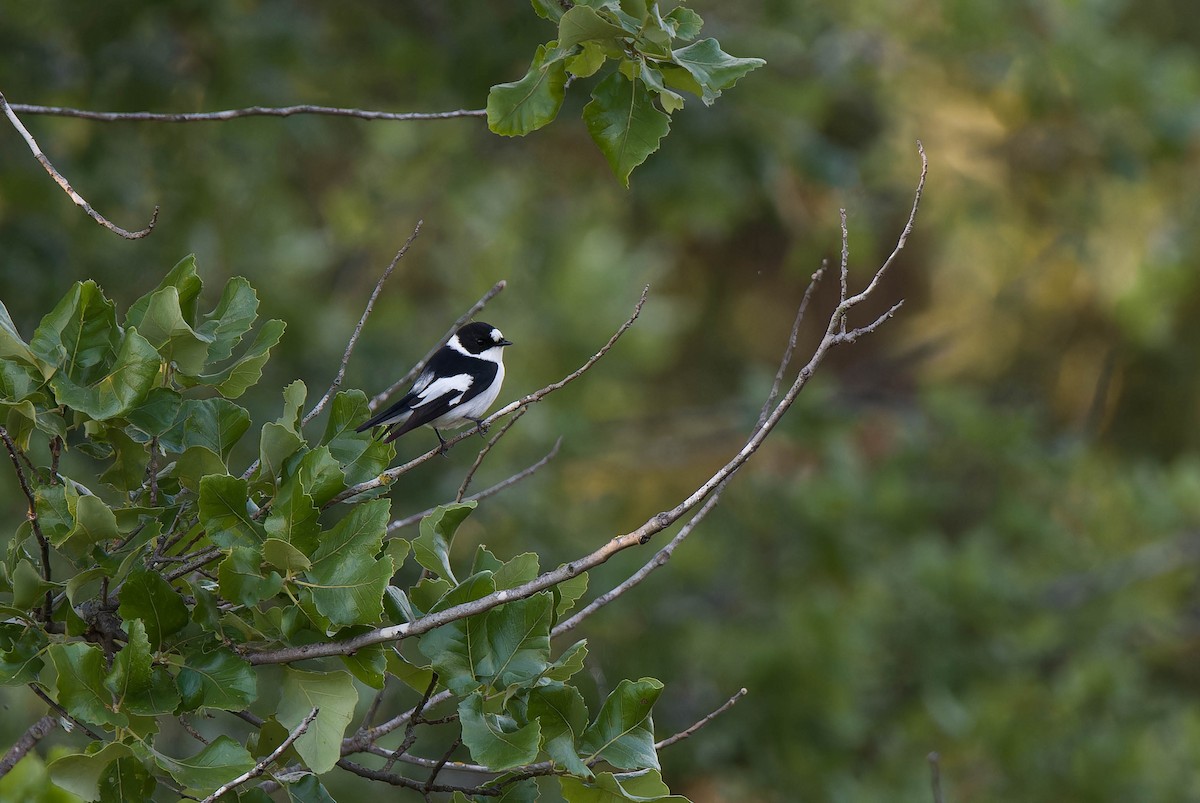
(261, 767)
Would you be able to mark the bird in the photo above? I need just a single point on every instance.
(458, 385)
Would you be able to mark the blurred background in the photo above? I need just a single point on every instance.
(976, 533)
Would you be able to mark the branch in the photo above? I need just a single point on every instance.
(935, 776)
(639, 536)
(462, 489)
(337, 380)
(36, 732)
(261, 767)
(679, 737)
(15, 454)
(381, 397)
(250, 111)
(62, 712)
(62, 182)
(484, 494)
(389, 476)
(410, 783)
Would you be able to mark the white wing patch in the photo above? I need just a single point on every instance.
(446, 385)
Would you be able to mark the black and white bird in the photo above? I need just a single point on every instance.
(459, 384)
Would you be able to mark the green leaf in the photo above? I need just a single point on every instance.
(652, 77)
(368, 665)
(80, 773)
(415, 677)
(242, 578)
(231, 319)
(606, 788)
(361, 455)
(569, 663)
(624, 123)
(196, 463)
(276, 445)
(518, 571)
(588, 61)
(130, 458)
(217, 679)
(203, 773)
(284, 556)
(308, 790)
(216, 424)
(432, 547)
(55, 505)
(157, 412)
(623, 733)
(147, 596)
(81, 689)
(331, 692)
(124, 386)
(246, 370)
(95, 523)
(165, 327)
(223, 512)
(293, 405)
(517, 641)
(569, 592)
(12, 345)
(687, 23)
(495, 740)
(20, 656)
(29, 586)
(130, 673)
(548, 9)
(456, 648)
(350, 593)
(183, 278)
(582, 24)
(293, 518)
(321, 475)
(563, 716)
(80, 336)
(515, 109)
(359, 533)
(124, 780)
(712, 68)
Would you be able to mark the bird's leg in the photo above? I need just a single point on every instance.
(442, 441)
(480, 427)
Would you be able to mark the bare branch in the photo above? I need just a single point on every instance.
(462, 489)
(410, 783)
(389, 476)
(62, 712)
(31, 513)
(935, 776)
(250, 111)
(202, 558)
(66, 186)
(337, 380)
(380, 398)
(679, 737)
(786, 360)
(855, 334)
(845, 266)
(639, 536)
(36, 732)
(261, 767)
(408, 521)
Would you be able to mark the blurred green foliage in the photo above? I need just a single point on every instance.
(975, 537)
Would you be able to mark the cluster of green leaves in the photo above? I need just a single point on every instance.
(649, 65)
(126, 636)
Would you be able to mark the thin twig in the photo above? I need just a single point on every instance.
(202, 558)
(195, 734)
(639, 536)
(845, 266)
(411, 783)
(261, 767)
(66, 186)
(34, 734)
(250, 111)
(403, 381)
(62, 712)
(437, 769)
(337, 380)
(679, 737)
(791, 346)
(408, 521)
(462, 489)
(31, 513)
(935, 776)
(389, 476)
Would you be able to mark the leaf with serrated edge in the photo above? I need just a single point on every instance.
(517, 108)
(432, 547)
(713, 68)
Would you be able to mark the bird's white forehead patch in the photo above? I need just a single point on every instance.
(496, 336)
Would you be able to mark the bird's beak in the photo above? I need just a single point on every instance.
(504, 342)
